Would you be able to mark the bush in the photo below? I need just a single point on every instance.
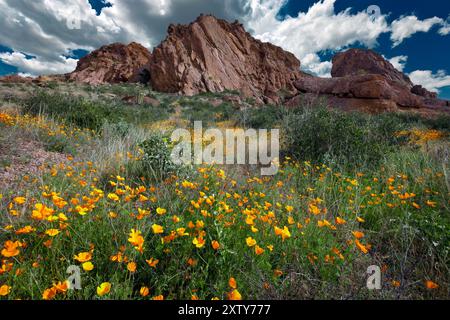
(90, 114)
(156, 163)
(336, 138)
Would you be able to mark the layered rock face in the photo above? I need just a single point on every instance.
(114, 63)
(364, 80)
(212, 55)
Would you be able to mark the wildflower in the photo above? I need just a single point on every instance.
(41, 212)
(19, 200)
(61, 286)
(160, 297)
(289, 209)
(161, 211)
(232, 283)
(284, 233)
(11, 249)
(199, 242)
(234, 295)
(250, 241)
(157, 229)
(145, 291)
(142, 198)
(4, 290)
(215, 244)
(131, 266)
(88, 266)
(83, 257)
(152, 262)
(361, 247)
(49, 294)
(182, 232)
(431, 285)
(259, 250)
(340, 221)
(359, 219)
(104, 289)
(415, 205)
(291, 220)
(113, 197)
(395, 283)
(358, 234)
(25, 230)
(52, 232)
(136, 240)
(431, 203)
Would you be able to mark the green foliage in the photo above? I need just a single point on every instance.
(156, 163)
(337, 138)
(199, 110)
(90, 114)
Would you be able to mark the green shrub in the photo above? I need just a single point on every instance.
(91, 114)
(337, 138)
(156, 163)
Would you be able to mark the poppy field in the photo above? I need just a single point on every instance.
(137, 229)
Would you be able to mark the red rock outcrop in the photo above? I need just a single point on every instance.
(354, 62)
(114, 63)
(363, 80)
(15, 78)
(212, 55)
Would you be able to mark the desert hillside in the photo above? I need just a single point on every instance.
(88, 180)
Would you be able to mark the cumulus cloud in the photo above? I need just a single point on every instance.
(312, 64)
(406, 26)
(399, 62)
(445, 29)
(318, 29)
(50, 30)
(429, 80)
(37, 66)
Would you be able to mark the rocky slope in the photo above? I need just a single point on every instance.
(114, 63)
(212, 55)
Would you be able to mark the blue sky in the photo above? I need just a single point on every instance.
(419, 45)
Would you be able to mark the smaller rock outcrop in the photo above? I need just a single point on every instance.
(15, 78)
(363, 80)
(114, 63)
(355, 62)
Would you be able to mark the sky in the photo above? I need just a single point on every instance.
(49, 36)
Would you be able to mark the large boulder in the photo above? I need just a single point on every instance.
(114, 63)
(212, 55)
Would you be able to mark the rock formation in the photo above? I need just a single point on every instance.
(364, 80)
(212, 55)
(114, 63)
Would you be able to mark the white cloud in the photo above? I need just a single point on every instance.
(318, 29)
(312, 64)
(429, 80)
(445, 29)
(37, 66)
(399, 62)
(50, 29)
(406, 26)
